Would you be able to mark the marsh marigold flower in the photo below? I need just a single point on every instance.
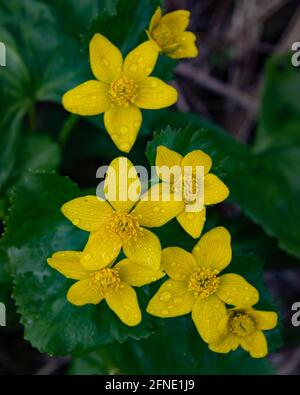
(196, 286)
(112, 283)
(214, 190)
(244, 327)
(121, 220)
(120, 90)
(169, 33)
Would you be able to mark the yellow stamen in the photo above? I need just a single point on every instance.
(241, 324)
(105, 281)
(203, 282)
(124, 225)
(123, 91)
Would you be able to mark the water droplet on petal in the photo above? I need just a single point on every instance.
(177, 300)
(165, 296)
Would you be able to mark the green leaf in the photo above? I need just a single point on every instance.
(124, 23)
(31, 152)
(183, 350)
(9, 139)
(35, 229)
(279, 120)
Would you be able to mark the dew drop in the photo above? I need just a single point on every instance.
(165, 296)
(177, 300)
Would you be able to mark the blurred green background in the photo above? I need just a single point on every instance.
(239, 101)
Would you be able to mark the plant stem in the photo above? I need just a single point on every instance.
(32, 118)
(66, 129)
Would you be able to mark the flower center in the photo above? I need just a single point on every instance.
(123, 91)
(105, 281)
(241, 324)
(203, 282)
(188, 187)
(162, 35)
(124, 225)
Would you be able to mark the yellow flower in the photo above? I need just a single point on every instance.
(195, 285)
(120, 221)
(112, 283)
(121, 89)
(214, 190)
(243, 327)
(169, 33)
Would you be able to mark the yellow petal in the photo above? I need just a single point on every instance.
(123, 125)
(140, 62)
(137, 275)
(153, 93)
(106, 59)
(171, 300)
(83, 292)
(192, 222)
(264, 319)
(176, 20)
(197, 158)
(213, 249)
(145, 250)
(89, 98)
(68, 264)
(235, 290)
(122, 185)
(186, 46)
(225, 345)
(155, 19)
(101, 249)
(88, 213)
(153, 211)
(256, 344)
(167, 159)
(124, 303)
(177, 263)
(206, 314)
(215, 191)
